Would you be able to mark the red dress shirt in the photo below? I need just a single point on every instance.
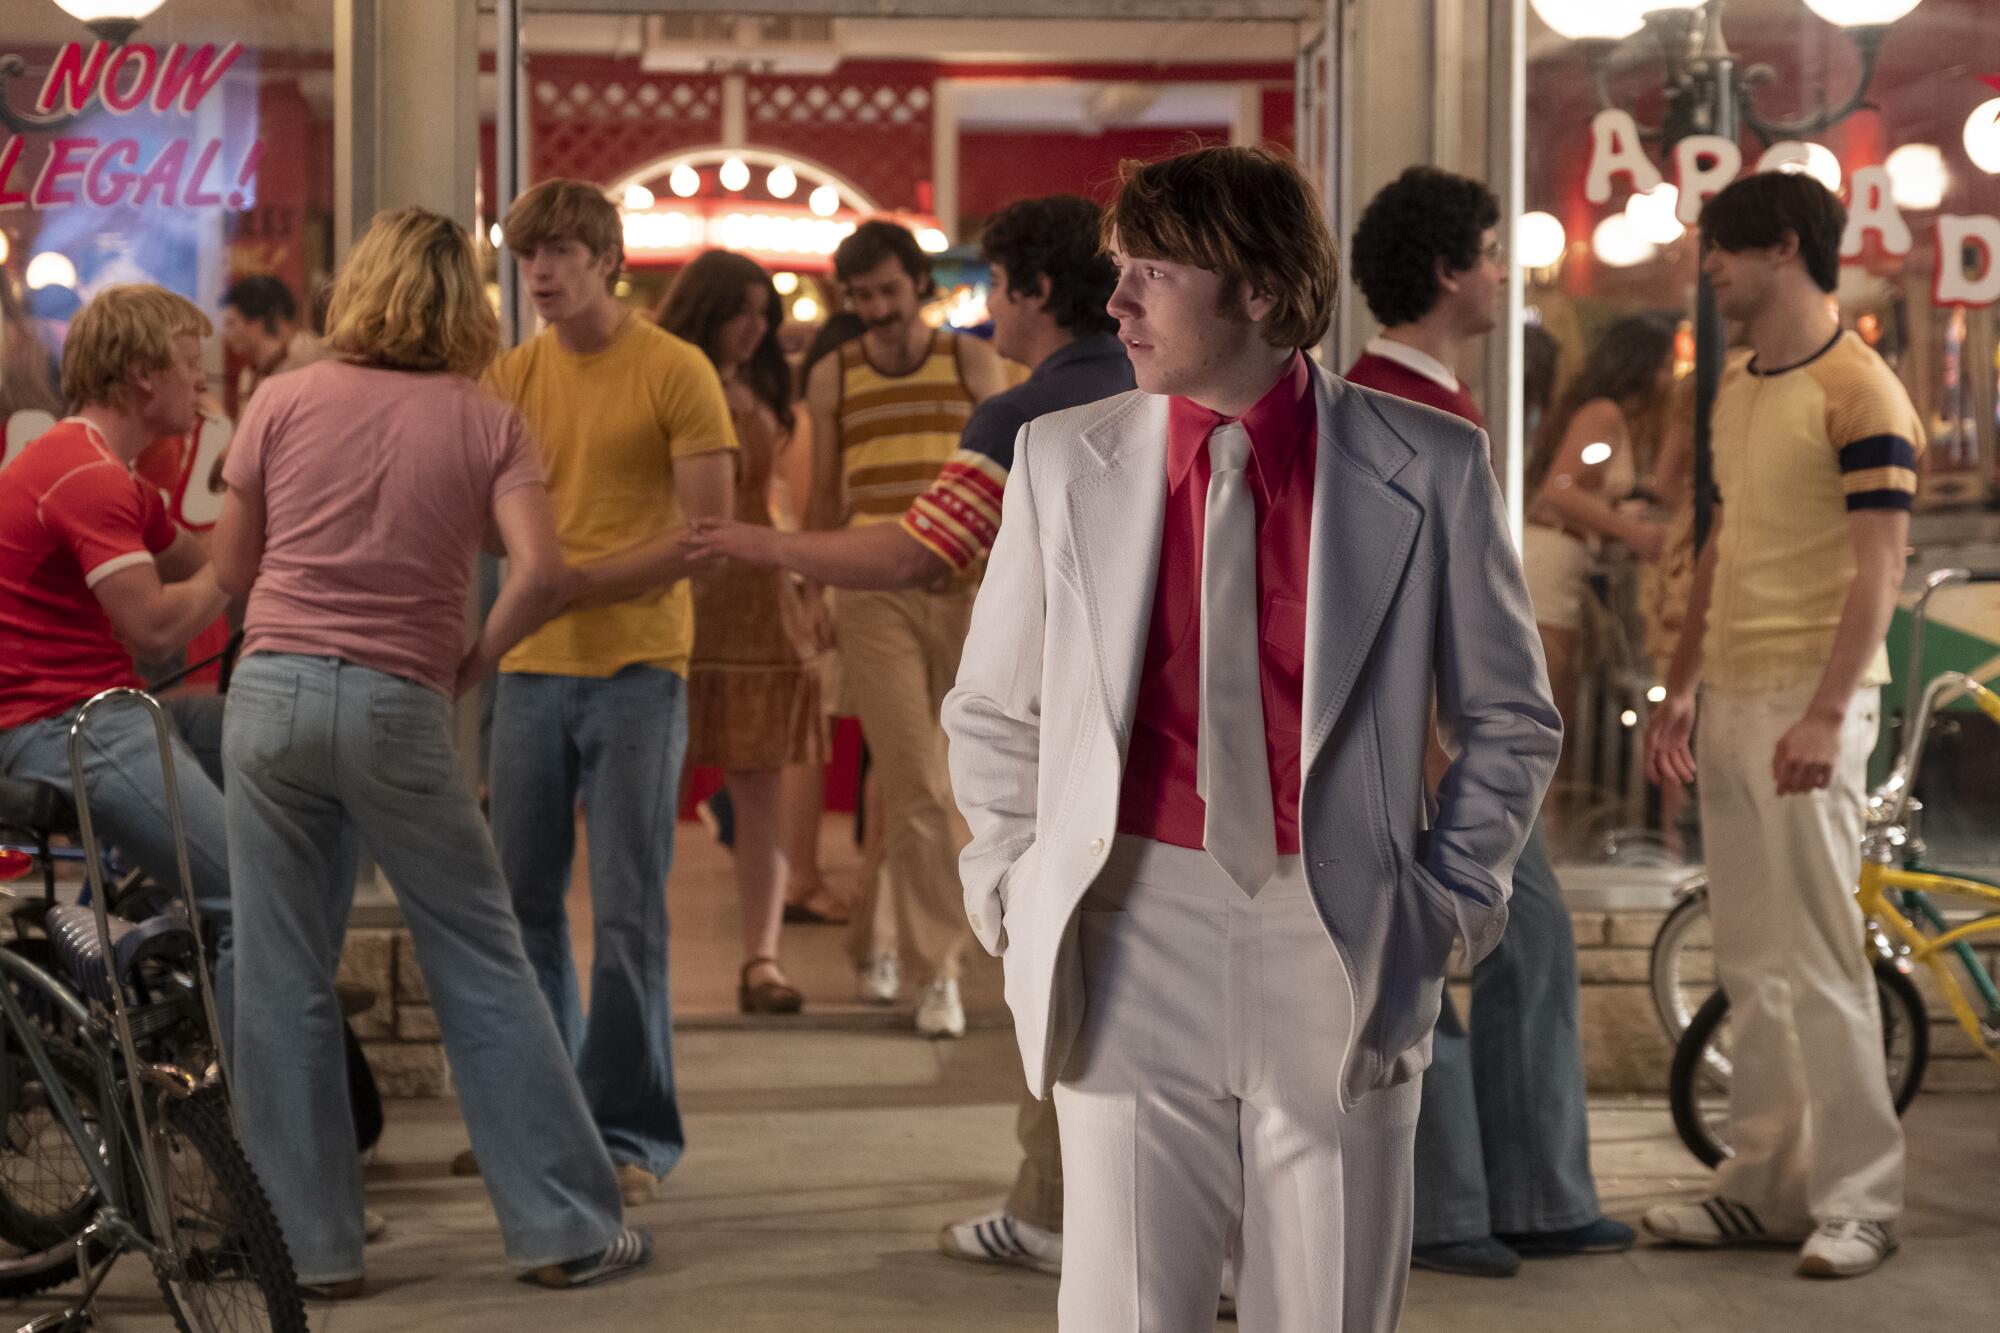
(1157, 799)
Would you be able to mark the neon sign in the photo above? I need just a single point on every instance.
(109, 169)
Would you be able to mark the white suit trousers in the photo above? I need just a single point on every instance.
(1200, 1112)
(1814, 1131)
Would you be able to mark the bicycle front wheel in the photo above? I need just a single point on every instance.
(1681, 970)
(47, 1196)
(1698, 1086)
(223, 1267)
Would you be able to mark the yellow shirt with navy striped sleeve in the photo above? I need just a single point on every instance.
(1796, 451)
(897, 431)
(610, 425)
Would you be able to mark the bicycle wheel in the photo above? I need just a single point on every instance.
(1681, 970)
(47, 1195)
(234, 1272)
(1698, 1086)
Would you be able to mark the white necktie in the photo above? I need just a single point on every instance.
(1233, 771)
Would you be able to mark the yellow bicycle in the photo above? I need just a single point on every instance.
(1900, 898)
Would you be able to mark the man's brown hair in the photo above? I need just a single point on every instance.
(124, 329)
(1248, 214)
(566, 210)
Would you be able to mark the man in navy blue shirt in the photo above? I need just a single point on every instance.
(1050, 285)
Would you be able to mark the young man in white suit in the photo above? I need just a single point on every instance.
(1189, 733)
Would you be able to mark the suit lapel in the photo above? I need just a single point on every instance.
(1362, 532)
(1117, 508)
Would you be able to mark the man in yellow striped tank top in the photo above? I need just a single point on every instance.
(887, 413)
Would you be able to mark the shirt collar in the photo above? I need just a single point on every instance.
(1277, 424)
(1415, 358)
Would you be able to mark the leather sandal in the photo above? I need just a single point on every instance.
(766, 997)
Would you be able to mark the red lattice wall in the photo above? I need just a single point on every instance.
(598, 119)
(871, 123)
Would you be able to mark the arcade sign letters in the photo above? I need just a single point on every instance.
(1968, 247)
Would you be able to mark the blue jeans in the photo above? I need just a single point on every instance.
(1503, 1137)
(320, 754)
(617, 742)
(128, 799)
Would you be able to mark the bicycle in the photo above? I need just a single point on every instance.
(116, 1107)
(1905, 926)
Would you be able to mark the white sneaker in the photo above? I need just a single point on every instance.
(879, 981)
(1847, 1247)
(1712, 1224)
(999, 1237)
(939, 1013)
(1226, 1307)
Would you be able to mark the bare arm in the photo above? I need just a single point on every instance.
(237, 545)
(155, 619)
(880, 556)
(1574, 489)
(1808, 753)
(705, 484)
(823, 506)
(537, 585)
(184, 559)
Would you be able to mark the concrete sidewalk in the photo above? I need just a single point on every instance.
(821, 1164)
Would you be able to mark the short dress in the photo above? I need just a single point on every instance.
(753, 682)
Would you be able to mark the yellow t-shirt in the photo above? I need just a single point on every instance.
(1796, 451)
(609, 426)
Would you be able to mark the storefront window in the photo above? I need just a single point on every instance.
(190, 150)
(1913, 93)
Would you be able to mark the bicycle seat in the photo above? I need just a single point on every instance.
(34, 807)
(73, 931)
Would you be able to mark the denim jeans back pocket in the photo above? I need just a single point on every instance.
(257, 719)
(409, 738)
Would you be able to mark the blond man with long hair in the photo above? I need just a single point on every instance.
(1189, 736)
(93, 571)
(359, 489)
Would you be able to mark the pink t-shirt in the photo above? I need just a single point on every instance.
(377, 486)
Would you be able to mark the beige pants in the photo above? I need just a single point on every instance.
(899, 656)
(1814, 1131)
(1201, 1105)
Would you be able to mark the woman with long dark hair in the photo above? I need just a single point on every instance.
(753, 697)
(1580, 472)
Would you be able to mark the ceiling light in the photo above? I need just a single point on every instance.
(1861, 13)
(1917, 176)
(785, 282)
(1652, 215)
(1539, 240)
(805, 310)
(1604, 20)
(1982, 137)
(51, 268)
(1618, 245)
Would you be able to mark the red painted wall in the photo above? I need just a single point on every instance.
(996, 169)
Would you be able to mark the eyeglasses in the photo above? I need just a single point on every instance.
(1495, 253)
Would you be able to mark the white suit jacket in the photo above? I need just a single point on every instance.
(1414, 589)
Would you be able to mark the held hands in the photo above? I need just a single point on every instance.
(727, 539)
(1806, 754)
(1669, 740)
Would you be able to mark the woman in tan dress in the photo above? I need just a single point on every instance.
(753, 696)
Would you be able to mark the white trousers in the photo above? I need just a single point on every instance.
(1813, 1128)
(1200, 1112)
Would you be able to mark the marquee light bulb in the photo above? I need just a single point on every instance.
(1917, 176)
(1861, 13)
(1602, 20)
(1982, 137)
(734, 174)
(1539, 240)
(684, 181)
(824, 202)
(782, 183)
